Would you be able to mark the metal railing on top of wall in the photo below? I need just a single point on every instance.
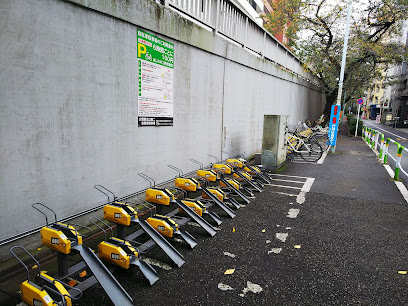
(229, 20)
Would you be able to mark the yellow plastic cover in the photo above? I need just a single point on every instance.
(116, 214)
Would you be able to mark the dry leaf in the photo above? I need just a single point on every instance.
(229, 271)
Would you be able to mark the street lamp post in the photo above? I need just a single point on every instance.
(343, 60)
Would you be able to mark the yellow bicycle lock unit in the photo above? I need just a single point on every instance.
(58, 236)
(163, 196)
(122, 253)
(163, 224)
(45, 290)
(196, 206)
(114, 249)
(233, 182)
(215, 191)
(235, 162)
(64, 239)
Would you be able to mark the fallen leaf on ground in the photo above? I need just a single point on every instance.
(229, 271)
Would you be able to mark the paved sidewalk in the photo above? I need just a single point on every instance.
(331, 234)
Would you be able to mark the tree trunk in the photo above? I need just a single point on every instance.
(330, 100)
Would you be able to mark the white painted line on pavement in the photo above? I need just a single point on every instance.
(300, 199)
(304, 177)
(224, 287)
(282, 236)
(389, 170)
(254, 288)
(402, 189)
(321, 159)
(288, 194)
(275, 251)
(297, 182)
(283, 186)
(386, 131)
(309, 182)
(229, 254)
(293, 213)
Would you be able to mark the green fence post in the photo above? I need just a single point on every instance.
(387, 144)
(398, 161)
(373, 139)
(382, 145)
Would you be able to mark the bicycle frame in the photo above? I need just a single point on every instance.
(299, 143)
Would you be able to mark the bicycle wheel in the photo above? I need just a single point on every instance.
(311, 151)
(322, 139)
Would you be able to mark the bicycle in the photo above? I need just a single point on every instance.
(316, 133)
(308, 149)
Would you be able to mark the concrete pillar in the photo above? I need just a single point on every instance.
(273, 141)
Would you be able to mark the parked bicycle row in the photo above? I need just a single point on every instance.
(309, 143)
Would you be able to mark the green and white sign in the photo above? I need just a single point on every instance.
(156, 68)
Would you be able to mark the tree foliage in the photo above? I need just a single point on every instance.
(315, 29)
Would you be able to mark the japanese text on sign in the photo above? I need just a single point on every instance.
(156, 67)
(334, 123)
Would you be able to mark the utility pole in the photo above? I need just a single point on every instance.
(343, 60)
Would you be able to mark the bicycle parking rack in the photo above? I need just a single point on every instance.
(240, 176)
(211, 176)
(124, 215)
(188, 186)
(121, 253)
(162, 196)
(65, 239)
(254, 171)
(44, 290)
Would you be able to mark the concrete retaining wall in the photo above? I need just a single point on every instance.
(68, 94)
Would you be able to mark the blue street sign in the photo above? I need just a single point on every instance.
(334, 124)
(360, 101)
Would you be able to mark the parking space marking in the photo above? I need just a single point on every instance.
(251, 287)
(309, 182)
(224, 287)
(277, 174)
(274, 185)
(282, 236)
(300, 197)
(321, 160)
(288, 181)
(288, 194)
(293, 213)
(275, 251)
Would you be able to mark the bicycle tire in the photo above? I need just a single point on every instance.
(322, 139)
(313, 154)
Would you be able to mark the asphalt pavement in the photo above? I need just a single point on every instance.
(322, 234)
(329, 234)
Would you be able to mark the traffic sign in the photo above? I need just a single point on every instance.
(360, 101)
